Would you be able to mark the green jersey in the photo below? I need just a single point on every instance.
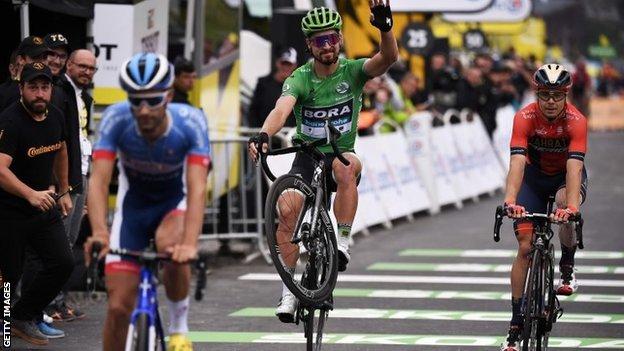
(337, 96)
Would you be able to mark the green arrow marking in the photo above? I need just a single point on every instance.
(464, 295)
(374, 313)
(390, 339)
(476, 267)
(599, 255)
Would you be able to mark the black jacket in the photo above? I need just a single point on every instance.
(267, 91)
(64, 97)
(9, 93)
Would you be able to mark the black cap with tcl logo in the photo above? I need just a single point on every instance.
(56, 40)
(34, 70)
(32, 46)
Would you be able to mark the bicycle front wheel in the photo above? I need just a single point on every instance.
(288, 227)
(141, 335)
(531, 307)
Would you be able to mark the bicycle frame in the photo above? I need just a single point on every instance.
(540, 303)
(147, 303)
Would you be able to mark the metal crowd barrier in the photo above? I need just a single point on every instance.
(236, 201)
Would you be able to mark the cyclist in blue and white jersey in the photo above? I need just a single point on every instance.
(164, 159)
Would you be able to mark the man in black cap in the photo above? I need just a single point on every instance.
(31, 49)
(184, 80)
(59, 51)
(33, 156)
(269, 88)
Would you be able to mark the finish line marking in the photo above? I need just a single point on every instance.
(477, 267)
(393, 339)
(373, 313)
(406, 279)
(597, 255)
(465, 295)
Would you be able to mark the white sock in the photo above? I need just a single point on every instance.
(285, 289)
(178, 316)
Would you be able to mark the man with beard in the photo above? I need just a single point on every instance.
(327, 86)
(164, 158)
(71, 97)
(31, 49)
(32, 155)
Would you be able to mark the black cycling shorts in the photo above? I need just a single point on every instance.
(304, 165)
(537, 187)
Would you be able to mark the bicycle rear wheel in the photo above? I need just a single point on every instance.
(288, 226)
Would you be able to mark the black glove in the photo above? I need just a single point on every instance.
(258, 140)
(382, 18)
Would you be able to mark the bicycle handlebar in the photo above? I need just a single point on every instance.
(501, 212)
(150, 256)
(308, 146)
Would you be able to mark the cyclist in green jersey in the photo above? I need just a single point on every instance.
(327, 87)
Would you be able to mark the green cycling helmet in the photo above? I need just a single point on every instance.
(319, 19)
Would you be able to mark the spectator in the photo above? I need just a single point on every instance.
(269, 88)
(72, 99)
(184, 80)
(13, 74)
(31, 154)
(414, 98)
(31, 49)
(473, 93)
(57, 56)
(581, 88)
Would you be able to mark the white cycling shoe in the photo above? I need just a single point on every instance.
(344, 256)
(567, 282)
(512, 341)
(286, 308)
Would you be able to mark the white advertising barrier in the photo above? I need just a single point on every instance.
(500, 11)
(376, 190)
(410, 190)
(502, 134)
(492, 174)
(472, 185)
(447, 164)
(440, 5)
(119, 31)
(417, 132)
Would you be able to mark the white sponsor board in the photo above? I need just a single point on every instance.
(492, 174)
(502, 134)
(411, 186)
(387, 187)
(119, 31)
(500, 11)
(440, 5)
(417, 132)
(447, 167)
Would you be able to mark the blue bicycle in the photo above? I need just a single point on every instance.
(145, 332)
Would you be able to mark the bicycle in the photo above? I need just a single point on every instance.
(313, 231)
(145, 332)
(540, 305)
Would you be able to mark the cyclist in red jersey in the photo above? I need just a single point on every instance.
(548, 146)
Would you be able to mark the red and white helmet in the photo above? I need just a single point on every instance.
(552, 76)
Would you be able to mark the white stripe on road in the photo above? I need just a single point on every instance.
(357, 278)
(464, 295)
(598, 255)
(477, 267)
